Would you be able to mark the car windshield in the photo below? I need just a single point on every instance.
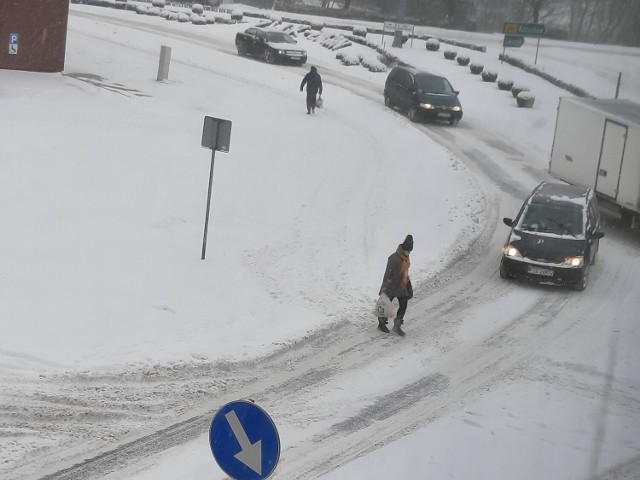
(560, 219)
(431, 84)
(279, 37)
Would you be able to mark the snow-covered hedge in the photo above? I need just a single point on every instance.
(433, 44)
(211, 18)
(488, 76)
(141, 9)
(360, 31)
(183, 17)
(198, 19)
(505, 84)
(316, 25)
(516, 89)
(525, 99)
(237, 15)
(450, 54)
(197, 9)
(158, 3)
(464, 61)
(154, 12)
(348, 57)
(476, 68)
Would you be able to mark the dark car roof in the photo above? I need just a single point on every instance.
(415, 71)
(561, 193)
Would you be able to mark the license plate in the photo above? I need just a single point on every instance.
(444, 115)
(547, 272)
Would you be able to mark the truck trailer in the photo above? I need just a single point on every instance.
(596, 144)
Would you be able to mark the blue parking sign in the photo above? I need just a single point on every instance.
(244, 441)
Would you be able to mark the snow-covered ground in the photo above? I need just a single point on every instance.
(102, 197)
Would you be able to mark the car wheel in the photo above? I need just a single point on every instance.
(582, 282)
(268, 57)
(503, 270)
(388, 102)
(454, 122)
(413, 114)
(242, 51)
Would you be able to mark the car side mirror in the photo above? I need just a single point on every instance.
(508, 221)
(456, 92)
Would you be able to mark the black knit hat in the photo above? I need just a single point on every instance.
(408, 243)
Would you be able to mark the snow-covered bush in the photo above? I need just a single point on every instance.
(476, 68)
(360, 31)
(197, 8)
(488, 76)
(525, 99)
(316, 25)
(210, 19)
(236, 15)
(516, 89)
(198, 19)
(505, 84)
(155, 12)
(450, 54)
(158, 3)
(348, 57)
(165, 13)
(373, 64)
(141, 9)
(433, 44)
(275, 18)
(183, 17)
(464, 61)
(173, 16)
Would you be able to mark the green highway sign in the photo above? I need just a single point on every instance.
(513, 41)
(527, 29)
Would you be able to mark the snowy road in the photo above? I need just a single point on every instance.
(108, 425)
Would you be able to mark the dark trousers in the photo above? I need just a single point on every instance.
(402, 306)
(311, 101)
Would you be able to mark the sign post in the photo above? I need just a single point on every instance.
(515, 33)
(244, 441)
(216, 135)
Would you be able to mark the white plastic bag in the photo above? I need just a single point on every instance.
(319, 102)
(384, 307)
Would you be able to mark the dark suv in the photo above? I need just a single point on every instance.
(555, 237)
(422, 95)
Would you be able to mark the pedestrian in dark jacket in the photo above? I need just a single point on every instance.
(397, 284)
(313, 80)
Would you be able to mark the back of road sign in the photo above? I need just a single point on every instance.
(244, 441)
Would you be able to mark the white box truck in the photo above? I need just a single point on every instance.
(597, 144)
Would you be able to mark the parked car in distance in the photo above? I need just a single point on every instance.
(422, 95)
(270, 45)
(555, 237)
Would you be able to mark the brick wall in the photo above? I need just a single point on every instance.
(33, 34)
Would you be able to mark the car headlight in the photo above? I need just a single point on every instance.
(511, 251)
(457, 109)
(280, 52)
(428, 106)
(574, 261)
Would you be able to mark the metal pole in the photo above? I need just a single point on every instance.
(537, 47)
(206, 220)
(618, 85)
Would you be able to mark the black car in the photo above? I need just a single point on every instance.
(555, 237)
(422, 95)
(270, 45)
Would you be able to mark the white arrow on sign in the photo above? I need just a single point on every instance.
(250, 454)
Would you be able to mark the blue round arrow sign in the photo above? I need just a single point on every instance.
(244, 441)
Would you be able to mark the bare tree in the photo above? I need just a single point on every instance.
(536, 6)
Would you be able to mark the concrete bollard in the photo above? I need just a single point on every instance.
(165, 60)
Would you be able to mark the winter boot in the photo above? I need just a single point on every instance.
(382, 324)
(397, 322)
